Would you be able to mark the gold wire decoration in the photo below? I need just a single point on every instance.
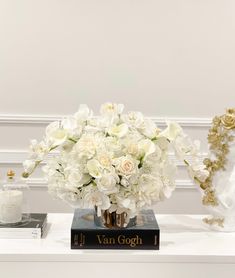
(213, 221)
(219, 138)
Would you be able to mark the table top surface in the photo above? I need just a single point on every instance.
(184, 238)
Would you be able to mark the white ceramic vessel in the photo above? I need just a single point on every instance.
(224, 187)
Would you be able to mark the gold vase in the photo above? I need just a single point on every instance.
(112, 220)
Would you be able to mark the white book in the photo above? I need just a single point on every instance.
(33, 229)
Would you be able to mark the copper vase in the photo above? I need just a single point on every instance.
(113, 220)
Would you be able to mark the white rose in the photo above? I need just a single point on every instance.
(104, 160)
(133, 119)
(147, 147)
(126, 165)
(118, 130)
(108, 183)
(172, 131)
(55, 134)
(94, 168)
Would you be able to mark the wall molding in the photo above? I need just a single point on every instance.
(198, 122)
(8, 157)
(40, 183)
(11, 158)
(14, 119)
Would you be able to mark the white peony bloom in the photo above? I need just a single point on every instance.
(86, 146)
(108, 183)
(118, 130)
(150, 188)
(113, 146)
(172, 131)
(94, 168)
(55, 134)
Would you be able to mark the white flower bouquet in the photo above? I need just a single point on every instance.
(117, 161)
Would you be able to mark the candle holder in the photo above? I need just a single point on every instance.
(14, 207)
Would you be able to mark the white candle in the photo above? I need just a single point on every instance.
(11, 206)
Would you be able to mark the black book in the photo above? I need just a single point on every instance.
(85, 234)
(34, 228)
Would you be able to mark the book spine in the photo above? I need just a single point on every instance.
(29, 233)
(115, 239)
(36, 233)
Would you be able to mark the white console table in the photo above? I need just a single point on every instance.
(188, 249)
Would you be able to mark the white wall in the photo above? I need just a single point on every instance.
(171, 58)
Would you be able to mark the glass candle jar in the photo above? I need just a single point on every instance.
(14, 208)
(11, 202)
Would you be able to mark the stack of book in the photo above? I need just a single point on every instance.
(86, 235)
(34, 228)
